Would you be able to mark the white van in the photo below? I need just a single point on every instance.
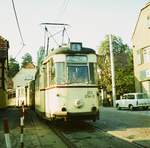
(133, 100)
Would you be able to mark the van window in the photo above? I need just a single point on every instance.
(130, 97)
(142, 96)
(124, 97)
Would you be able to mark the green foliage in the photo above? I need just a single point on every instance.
(13, 67)
(26, 59)
(123, 62)
(40, 55)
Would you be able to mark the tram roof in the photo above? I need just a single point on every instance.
(68, 50)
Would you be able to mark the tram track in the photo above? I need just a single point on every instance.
(65, 135)
(60, 134)
(34, 118)
(87, 134)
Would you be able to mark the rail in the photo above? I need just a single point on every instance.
(60, 134)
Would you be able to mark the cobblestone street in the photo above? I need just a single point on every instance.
(36, 133)
(124, 126)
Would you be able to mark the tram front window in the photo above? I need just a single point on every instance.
(77, 74)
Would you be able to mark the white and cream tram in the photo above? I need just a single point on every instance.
(66, 84)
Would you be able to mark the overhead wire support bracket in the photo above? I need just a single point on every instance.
(55, 24)
(63, 33)
(49, 35)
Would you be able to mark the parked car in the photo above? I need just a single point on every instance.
(133, 100)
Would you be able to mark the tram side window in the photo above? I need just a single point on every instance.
(52, 72)
(92, 68)
(47, 74)
(60, 73)
(37, 82)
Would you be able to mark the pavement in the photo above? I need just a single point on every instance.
(132, 126)
(36, 133)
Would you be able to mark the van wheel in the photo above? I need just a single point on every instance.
(145, 108)
(131, 107)
(118, 107)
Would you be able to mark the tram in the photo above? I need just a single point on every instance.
(66, 84)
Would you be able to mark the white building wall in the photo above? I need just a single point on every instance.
(23, 77)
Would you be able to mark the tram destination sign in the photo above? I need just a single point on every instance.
(77, 59)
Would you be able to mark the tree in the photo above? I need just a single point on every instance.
(123, 62)
(13, 67)
(26, 59)
(40, 55)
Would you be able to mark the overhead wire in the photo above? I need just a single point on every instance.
(19, 29)
(66, 2)
(62, 12)
(65, 9)
(66, 5)
(19, 51)
(62, 9)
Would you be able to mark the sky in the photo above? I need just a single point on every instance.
(89, 20)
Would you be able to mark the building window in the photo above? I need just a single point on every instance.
(146, 55)
(28, 77)
(148, 22)
(138, 57)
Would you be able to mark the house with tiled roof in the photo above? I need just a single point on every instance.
(141, 50)
(24, 76)
(4, 46)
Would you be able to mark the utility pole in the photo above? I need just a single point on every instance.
(112, 71)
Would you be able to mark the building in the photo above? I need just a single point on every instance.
(24, 76)
(141, 50)
(21, 83)
(4, 46)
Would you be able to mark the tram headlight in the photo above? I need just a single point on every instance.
(78, 103)
(63, 109)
